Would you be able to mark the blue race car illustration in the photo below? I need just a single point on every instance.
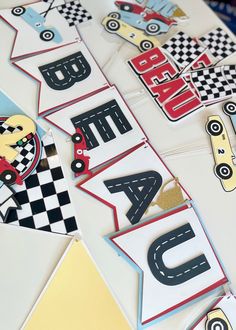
(150, 22)
(36, 21)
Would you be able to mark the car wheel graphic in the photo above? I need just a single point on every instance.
(153, 28)
(78, 166)
(217, 323)
(230, 108)
(224, 171)
(146, 45)
(214, 127)
(77, 138)
(8, 177)
(112, 25)
(47, 35)
(126, 7)
(114, 15)
(18, 11)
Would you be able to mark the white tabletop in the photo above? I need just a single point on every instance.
(27, 257)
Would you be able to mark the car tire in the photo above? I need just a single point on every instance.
(112, 25)
(78, 166)
(8, 177)
(146, 45)
(77, 138)
(224, 171)
(153, 28)
(229, 108)
(114, 14)
(217, 323)
(214, 127)
(18, 11)
(47, 35)
(126, 7)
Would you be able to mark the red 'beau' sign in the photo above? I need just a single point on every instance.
(173, 93)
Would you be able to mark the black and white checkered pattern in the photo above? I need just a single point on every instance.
(26, 154)
(230, 76)
(74, 12)
(43, 197)
(211, 84)
(219, 43)
(25, 157)
(183, 49)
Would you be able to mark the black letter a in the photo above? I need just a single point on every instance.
(140, 189)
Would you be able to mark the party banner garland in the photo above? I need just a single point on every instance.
(153, 213)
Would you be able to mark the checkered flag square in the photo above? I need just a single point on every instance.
(43, 197)
(230, 76)
(219, 43)
(26, 153)
(211, 84)
(183, 49)
(74, 12)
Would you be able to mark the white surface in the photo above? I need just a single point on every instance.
(28, 257)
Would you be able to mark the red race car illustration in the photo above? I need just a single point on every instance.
(8, 174)
(151, 22)
(80, 164)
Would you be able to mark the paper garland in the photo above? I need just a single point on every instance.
(134, 185)
(175, 278)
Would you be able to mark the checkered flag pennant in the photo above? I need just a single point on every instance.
(44, 198)
(219, 43)
(230, 76)
(26, 154)
(211, 84)
(74, 12)
(183, 50)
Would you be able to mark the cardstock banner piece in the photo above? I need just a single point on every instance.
(7, 201)
(219, 43)
(221, 315)
(211, 84)
(174, 259)
(183, 50)
(44, 199)
(65, 74)
(40, 27)
(135, 187)
(76, 297)
(106, 122)
(173, 93)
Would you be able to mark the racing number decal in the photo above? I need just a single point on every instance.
(7, 140)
